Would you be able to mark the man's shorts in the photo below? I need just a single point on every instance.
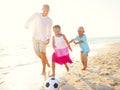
(39, 46)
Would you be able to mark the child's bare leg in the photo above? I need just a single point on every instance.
(67, 68)
(53, 69)
(82, 60)
(85, 64)
(85, 60)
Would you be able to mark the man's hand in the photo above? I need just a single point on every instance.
(47, 41)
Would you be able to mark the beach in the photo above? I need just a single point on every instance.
(21, 68)
(103, 73)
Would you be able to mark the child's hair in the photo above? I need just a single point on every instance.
(57, 26)
(81, 27)
(46, 5)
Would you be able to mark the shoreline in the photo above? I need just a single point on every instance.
(102, 73)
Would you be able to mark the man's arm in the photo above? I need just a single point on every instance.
(28, 21)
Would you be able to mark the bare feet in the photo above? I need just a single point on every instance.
(83, 68)
(53, 75)
(43, 73)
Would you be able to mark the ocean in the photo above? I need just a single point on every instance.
(21, 53)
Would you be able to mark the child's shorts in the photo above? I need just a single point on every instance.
(84, 55)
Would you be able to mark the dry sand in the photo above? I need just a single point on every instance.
(103, 72)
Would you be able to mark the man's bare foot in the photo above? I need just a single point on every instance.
(53, 75)
(43, 73)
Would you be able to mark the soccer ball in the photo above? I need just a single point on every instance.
(52, 84)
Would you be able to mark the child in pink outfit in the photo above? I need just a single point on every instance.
(61, 53)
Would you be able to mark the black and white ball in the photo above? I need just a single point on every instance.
(52, 84)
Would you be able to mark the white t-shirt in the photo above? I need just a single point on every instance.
(41, 26)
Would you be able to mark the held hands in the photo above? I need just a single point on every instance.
(54, 46)
(72, 41)
(78, 42)
(75, 42)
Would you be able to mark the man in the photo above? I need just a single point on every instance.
(41, 25)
